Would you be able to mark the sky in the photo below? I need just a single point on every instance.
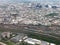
(29, 0)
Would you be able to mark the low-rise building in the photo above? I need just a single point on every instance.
(6, 34)
(19, 38)
(32, 41)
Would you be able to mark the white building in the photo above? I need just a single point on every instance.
(32, 41)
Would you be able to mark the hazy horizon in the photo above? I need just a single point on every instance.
(29, 1)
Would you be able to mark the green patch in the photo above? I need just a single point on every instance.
(44, 37)
(10, 43)
(52, 14)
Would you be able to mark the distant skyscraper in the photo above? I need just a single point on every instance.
(48, 6)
